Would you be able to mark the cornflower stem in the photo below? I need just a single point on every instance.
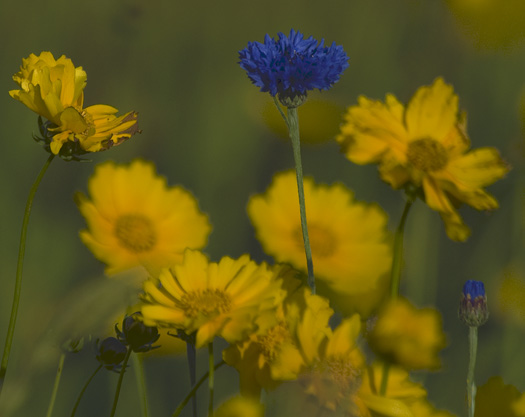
(56, 384)
(292, 122)
(19, 268)
(395, 275)
(471, 386)
(194, 389)
(119, 383)
(138, 366)
(191, 354)
(84, 388)
(211, 378)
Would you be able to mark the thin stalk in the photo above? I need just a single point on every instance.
(19, 268)
(471, 386)
(293, 128)
(395, 275)
(211, 378)
(194, 389)
(191, 355)
(77, 403)
(55, 386)
(138, 366)
(119, 383)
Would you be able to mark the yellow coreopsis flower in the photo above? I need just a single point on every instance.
(495, 398)
(349, 240)
(254, 358)
(240, 407)
(211, 299)
(408, 336)
(424, 144)
(54, 90)
(135, 219)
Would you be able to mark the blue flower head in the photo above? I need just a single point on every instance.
(291, 66)
(473, 305)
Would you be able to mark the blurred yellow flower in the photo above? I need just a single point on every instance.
(424, 144)
(408, 336)
(494, 398)
(349, 240)
(212, 299)
(54, 90)
(240, 407)
(510, 296)
(134, 218)
(254, 358)
(403, 397)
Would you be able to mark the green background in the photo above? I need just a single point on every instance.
(176, 64)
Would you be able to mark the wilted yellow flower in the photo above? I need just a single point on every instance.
(240, 407)
(254, 358)
(135, 219)
(349, 240)
(54, 90)
(408, 336)
(424, 144)
(212, 299)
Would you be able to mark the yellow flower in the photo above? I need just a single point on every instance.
(494, 398)
(54, 90)
(403, 397)
(510, 296)
(425, 145)
(240, 407)
(349, 240)
(135, 219)
(408, 336)
(254, 358)
(212, 299)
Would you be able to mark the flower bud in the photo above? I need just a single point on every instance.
(111, 353)
(473, 305)
(136, 334)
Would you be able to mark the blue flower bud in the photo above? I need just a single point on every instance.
(473, 305)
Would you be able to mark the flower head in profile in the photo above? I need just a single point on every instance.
(211, 299)
(408, 336)
(136, 335)
(424, 145)
(349, 240)
(290, 66)
(473, 309)
(54, 89)
(110, 353)
(135, 219)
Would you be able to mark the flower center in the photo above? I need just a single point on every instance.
(322, 241)
(272, 341)
(427, 154)
(210, 302)
(339, 371)
(135, 232)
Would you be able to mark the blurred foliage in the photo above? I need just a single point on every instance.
(175, 63)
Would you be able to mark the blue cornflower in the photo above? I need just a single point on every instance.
(473, 305)
(291, 66)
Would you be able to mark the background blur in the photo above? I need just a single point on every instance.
(208, 128)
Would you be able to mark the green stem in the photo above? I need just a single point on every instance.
(55, 386)
(77, 403)
(395, 275)
(138, 366)
(292, 121)
(471, 386)
(119, 383)
(211, 378)
(191, 394)
(19, 268)
(191, 355)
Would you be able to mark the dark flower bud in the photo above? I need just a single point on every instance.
(73, 345)
(111, 352)
(136, 334)
(473, 305)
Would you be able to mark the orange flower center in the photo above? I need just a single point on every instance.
(427, 154)
(272, 341)
(208, 303)
(322, 241)
(135, 232)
